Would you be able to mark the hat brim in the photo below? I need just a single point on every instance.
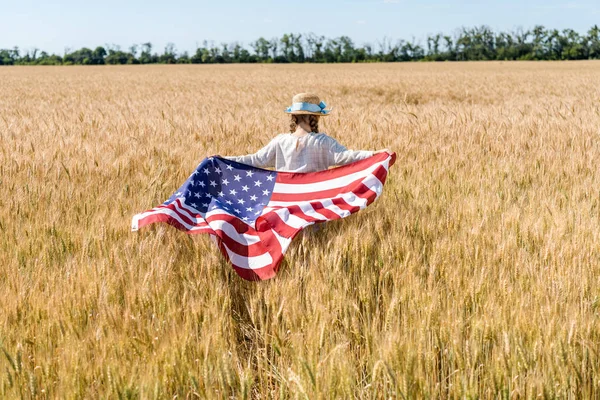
(306, 113)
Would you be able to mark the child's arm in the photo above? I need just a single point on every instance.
(263, 158)
(340, 155)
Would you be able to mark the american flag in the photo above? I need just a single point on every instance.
(254, 213)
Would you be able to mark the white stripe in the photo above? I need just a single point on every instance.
(166, 211)
(310, 211)
(229, 230)
(283, 242)
(245, 262)
(292, 220)
(373, 183)
(354, 200)
(188, 211)
(328, 204)
(135, 222)
(370, 181)
(324, 185)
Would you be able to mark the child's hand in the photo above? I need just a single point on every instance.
(383, 151)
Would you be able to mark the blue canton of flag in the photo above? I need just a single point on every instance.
(218, 183)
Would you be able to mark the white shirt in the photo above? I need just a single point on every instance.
(308, 153)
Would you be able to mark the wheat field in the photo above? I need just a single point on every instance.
(475, 275)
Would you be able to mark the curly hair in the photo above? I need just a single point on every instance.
(313, 121)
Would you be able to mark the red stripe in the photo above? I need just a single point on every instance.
(320, 195)
(272, 244)
(341, 203)
(180, 204)
(239, 225)
(278, 225)
(182, 212)
(259, 274)
(380, 173)
(152, 218)
(392, 160)
(321, 209)
(365, 193)
(253, 250)
(313, 177)
(297, 211)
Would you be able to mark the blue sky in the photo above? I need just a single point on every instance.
(54, 25)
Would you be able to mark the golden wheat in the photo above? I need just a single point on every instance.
(476, 274)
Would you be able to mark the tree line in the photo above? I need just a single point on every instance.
(466, 44)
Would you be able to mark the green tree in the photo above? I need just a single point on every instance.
(593, 39)
(146, 57)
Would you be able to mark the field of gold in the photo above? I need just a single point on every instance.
(476, 274)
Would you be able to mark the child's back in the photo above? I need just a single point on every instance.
(303, 149)
(307, 153)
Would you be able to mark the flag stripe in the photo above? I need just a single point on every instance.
(339, 182)
(163, 215)
(248, 262)
(280, 227)
(320, 209)
(314, 195)
(314, 177)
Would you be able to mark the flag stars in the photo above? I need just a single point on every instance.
(217, 186)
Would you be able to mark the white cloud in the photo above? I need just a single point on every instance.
(391, 1)
(361, 22)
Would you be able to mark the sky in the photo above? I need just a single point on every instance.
(56, 25)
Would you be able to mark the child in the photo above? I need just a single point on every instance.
(304, 149)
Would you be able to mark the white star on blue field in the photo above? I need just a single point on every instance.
(227, 185)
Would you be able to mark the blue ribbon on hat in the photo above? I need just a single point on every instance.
(319, 108)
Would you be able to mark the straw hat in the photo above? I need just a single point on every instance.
(307, 103)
